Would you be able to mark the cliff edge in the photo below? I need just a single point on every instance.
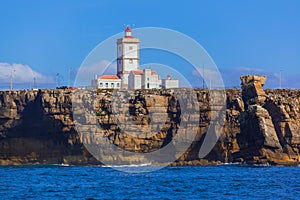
(38, 127)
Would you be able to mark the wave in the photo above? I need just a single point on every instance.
(131, 165)
(63, 165)
(243, 164)
(232, 163)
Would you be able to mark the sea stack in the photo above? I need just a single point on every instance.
(259, 138)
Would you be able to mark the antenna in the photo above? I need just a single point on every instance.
(69, 75)
(203, 76)
(57, 76)
(11, 79)
(34, 83)
(129, 25)
(280, 78)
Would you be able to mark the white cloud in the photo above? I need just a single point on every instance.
(231, 77)
(21, 74)
(249, 70)
(86, 73)
(212, 77)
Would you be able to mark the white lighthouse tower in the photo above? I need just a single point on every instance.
(128, 56)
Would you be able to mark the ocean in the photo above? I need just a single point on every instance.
(187, 182)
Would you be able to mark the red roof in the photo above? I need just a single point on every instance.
(109, 77)
(153, 73)
(137, 72)
(127, 29)
(128, 32)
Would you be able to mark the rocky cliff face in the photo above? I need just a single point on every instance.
(259, 126)
(37, 127)
(270, 124)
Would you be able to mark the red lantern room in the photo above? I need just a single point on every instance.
(128, 32)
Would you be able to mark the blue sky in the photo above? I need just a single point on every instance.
(242, 37)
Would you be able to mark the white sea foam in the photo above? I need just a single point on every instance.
(131, 165)
(246, 164)
(62, 165)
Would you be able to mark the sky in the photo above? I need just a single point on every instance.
(42, 39)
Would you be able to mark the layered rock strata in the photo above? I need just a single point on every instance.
(259, 126)
(269, 128)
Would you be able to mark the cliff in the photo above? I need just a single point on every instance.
(46, 126)
(37, 127)
(269, 126)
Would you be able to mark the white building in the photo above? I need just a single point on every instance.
(135, 79)
(144, 79)
(170, 83)
(129, 74)
(107, 82)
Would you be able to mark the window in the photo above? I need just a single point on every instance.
(101, 85)
(148, 85)
(118, 85)
(130, 61)
(147, 79)
(106, 85)
(112, 85)
(130, 48)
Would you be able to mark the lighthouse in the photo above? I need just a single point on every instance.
(129, 75)
(128, 56)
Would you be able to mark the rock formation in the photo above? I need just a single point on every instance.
(265, 126)
(260, 126)
(37, 127)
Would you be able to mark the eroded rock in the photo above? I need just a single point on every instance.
(260, 126)
(265, 126)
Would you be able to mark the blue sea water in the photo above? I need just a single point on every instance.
(94, 182)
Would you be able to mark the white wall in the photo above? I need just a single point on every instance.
(134, 81)
(132, 64)
(138, 82)
(125, 80)
(150, 81)
(130, 50)
(109, 83)
(131, 81)
(170, 83)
